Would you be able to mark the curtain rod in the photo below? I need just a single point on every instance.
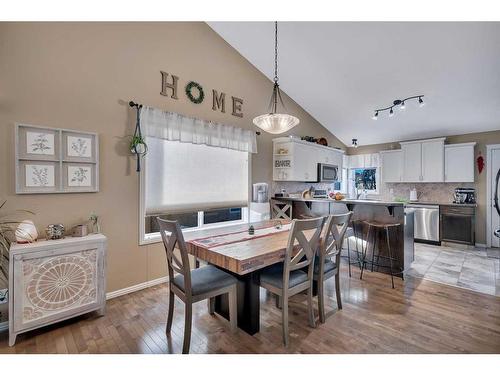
(139, 106)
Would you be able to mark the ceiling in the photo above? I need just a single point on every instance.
(341, 71)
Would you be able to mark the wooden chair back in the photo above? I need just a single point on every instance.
(171, 235)
(332, 239)
(301, 255)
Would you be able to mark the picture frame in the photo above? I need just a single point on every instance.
(55, 160)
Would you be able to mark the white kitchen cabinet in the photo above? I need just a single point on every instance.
(297, 160)
(433, 161)
(412, 162)
(423, 161)
(459, 162)
(392, 165)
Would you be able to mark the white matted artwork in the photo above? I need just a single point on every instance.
(55, 160)
(40, 143)
(79, 146)
(79, 176)
(40, 175)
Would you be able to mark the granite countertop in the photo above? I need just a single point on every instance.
(345, 201)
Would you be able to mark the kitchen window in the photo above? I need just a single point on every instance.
(363, 179)
(200, 186)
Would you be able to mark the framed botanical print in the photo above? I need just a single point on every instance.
(52, 160)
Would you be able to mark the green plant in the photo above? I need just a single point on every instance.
(8, 225)
(138, 145)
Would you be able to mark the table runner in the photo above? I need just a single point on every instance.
(240, 236)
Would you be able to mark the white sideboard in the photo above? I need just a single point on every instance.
(53, 280)
(297, 160)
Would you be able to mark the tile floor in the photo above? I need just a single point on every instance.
(473, 269)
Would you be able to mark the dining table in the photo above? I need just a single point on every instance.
(243, 253)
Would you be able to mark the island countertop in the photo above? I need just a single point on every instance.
(345, 201)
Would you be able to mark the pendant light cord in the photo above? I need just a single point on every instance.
(275, 51)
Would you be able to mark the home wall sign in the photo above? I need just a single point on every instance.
(196, 94)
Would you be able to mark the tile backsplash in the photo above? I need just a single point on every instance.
(426, 192)
(295, 187)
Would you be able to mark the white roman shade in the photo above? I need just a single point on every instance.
(184, 174)
(175, 127)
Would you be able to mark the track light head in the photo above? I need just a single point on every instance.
(354, 143)
(391, 113)
(375, 116)
(420, 101)
(403, 106)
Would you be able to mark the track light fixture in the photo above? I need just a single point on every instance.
(401, 103)
(354, 143)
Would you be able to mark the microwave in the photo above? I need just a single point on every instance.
(328, 173)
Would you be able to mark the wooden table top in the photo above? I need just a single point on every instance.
(243, 256)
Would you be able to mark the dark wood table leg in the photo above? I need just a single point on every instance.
(248, 303)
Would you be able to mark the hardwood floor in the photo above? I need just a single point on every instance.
(419, 316)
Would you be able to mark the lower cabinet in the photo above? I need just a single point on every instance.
(53, 280)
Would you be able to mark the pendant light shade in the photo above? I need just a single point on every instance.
(273, 122)
(276, 123)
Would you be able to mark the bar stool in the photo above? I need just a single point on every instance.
(351, 232)
(376, 227)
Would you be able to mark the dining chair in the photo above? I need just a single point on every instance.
(192, 286)
(288, 278)
(325, 266)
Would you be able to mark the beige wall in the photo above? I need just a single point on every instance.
(80, 76)
(482, 140)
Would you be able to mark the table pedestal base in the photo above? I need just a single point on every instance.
(248, 303)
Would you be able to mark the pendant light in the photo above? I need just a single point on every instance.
(273, 122)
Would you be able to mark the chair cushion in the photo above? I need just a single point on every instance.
(206, 279)
(329, 265)
(274, 276)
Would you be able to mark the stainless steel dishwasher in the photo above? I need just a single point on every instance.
(426, 227)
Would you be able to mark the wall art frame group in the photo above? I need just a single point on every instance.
(55, 160)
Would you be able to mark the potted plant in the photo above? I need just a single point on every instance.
(138, 145)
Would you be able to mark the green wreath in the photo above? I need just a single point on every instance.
(201, 95)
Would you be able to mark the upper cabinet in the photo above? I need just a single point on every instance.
(362, 161)
(297, 160)
(459, 162)
(423, 161)
(392, 165)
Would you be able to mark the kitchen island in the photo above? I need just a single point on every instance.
(401, 237)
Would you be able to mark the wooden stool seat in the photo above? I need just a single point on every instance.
(381, 225)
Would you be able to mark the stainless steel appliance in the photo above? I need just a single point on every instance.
(464, 195)
(426, 227)
(260, 192)
(458, 224)
(328, 173)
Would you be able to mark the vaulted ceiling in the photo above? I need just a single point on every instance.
(341, 71)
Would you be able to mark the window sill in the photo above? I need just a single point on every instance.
(152, 238)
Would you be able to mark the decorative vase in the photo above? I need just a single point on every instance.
(26, 232)
(54, 231)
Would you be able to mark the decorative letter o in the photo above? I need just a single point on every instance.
(201, 95)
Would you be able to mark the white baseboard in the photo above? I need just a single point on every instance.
(4, 326)
(480, 244)
(135, 288)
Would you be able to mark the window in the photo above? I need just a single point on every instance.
(365, 179)
(198, 185)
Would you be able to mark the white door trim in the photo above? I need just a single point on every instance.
(489, 177)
